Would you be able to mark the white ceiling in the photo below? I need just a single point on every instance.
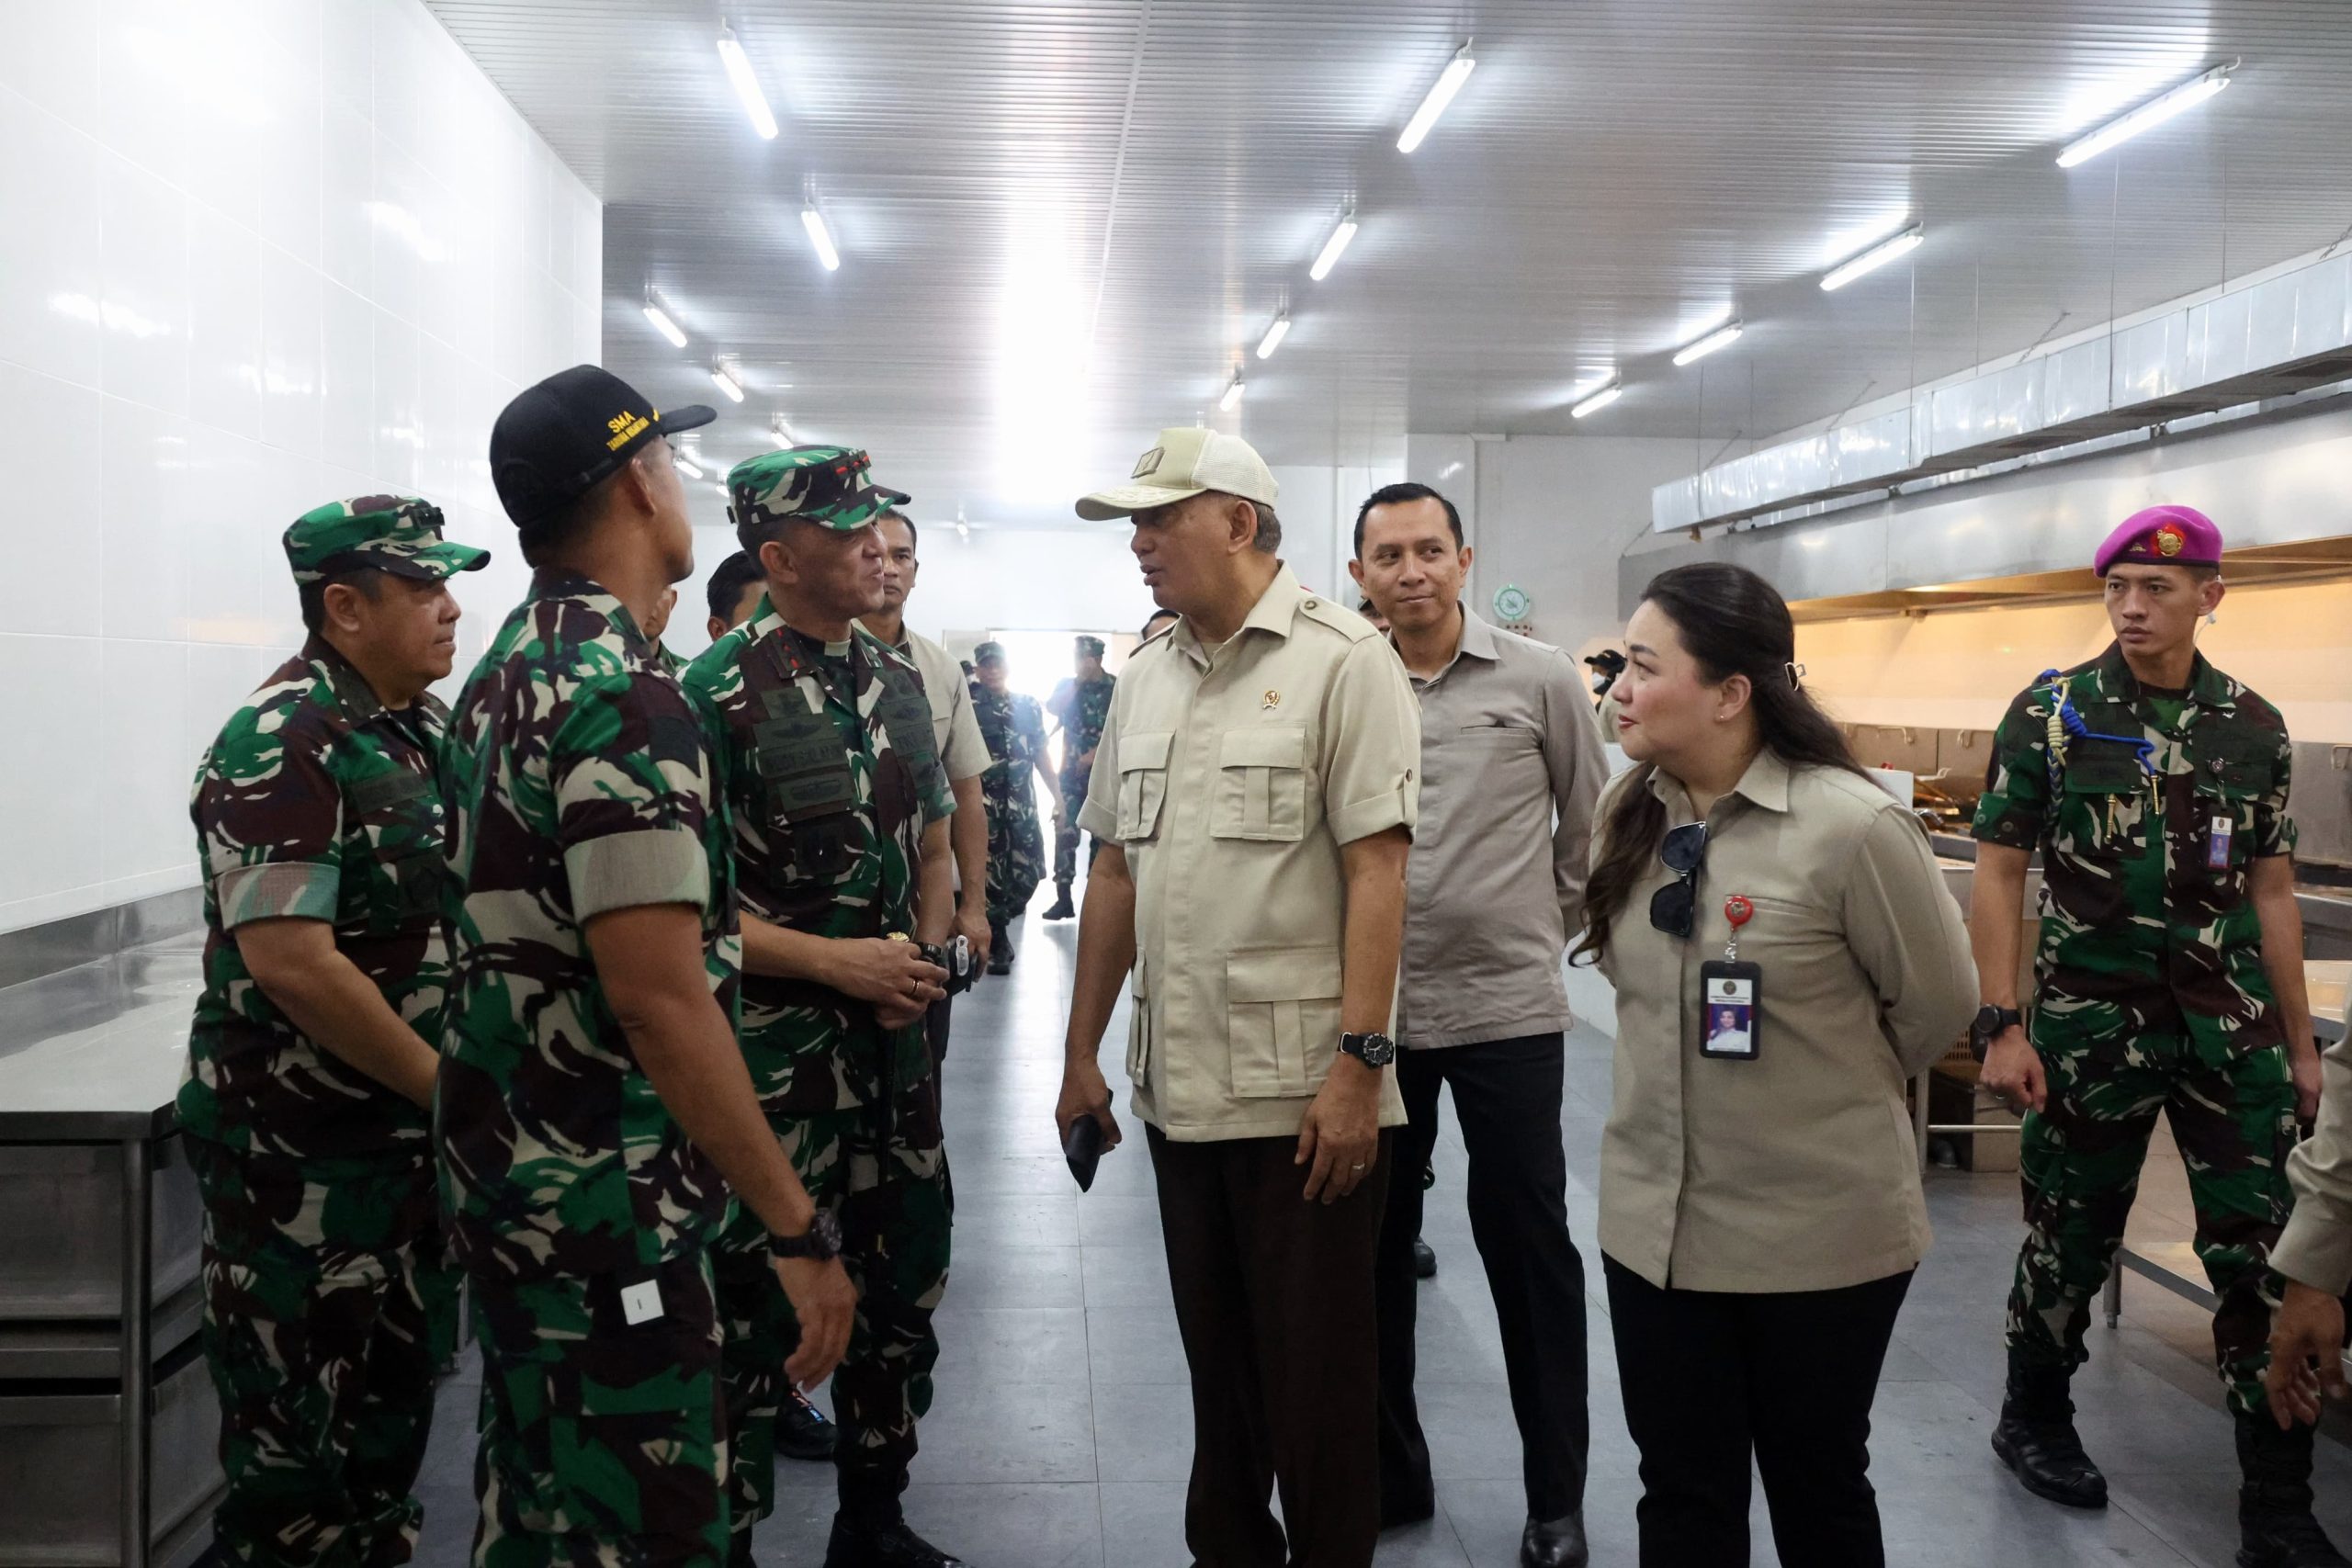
(1063, 225)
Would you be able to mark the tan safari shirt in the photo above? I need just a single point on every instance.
(1797, 1170)
(1232, 776)
(2316, 1249)
(954, 727)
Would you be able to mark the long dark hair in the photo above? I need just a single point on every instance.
(1733, 623)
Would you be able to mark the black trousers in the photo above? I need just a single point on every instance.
(1507, 1094)
(1274, 1301)
(1712, 1379)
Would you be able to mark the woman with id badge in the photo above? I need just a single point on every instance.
(1785, 958)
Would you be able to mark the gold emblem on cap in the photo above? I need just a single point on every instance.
(1271, 701)
(2168, 541)
(1148, 463)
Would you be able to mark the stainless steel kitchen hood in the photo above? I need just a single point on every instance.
(2284, 335)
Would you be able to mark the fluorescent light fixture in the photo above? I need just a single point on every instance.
(1722, 337)
(782, 429)
(664, 325)
(1877, 256)
(963, 529)
(1330, 257)
(686, 464)
(1594, 401)
(2148, 115)
(1457, 71)
(746, 86)
(1232, 399)
(1274, 335)
(724, 380)
(820, 237)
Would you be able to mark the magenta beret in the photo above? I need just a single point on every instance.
(2161, 536)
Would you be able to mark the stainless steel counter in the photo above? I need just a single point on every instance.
(95, 1053)
(100, 1228)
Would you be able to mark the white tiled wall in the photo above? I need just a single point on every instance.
(255, 255)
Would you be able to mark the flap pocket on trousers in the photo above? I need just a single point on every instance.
(1282, 1019)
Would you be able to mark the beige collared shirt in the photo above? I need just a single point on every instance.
(954, 727)
(1796, 1170)
(2316, 1249)
(1232, 776)
(1510, 767)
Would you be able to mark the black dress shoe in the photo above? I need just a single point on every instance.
(882, 1546)
(1554, 1543)
(801, 1430)
(1424, 1259)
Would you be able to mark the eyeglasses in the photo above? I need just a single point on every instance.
(1684, 851)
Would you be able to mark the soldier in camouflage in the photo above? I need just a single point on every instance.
(1081, 707)
(841, 810)
(329, 1305)
(593, 1111)
(2169, 977)
(1015, 731)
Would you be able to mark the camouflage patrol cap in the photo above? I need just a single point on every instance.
(827, 485)
(1092, 647)
(989, 653)
(398, 534)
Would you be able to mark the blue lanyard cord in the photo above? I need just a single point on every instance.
(2066, 723)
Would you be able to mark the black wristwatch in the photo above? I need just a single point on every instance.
(1372, 1050)
(1990, 1025)
(822, 1242)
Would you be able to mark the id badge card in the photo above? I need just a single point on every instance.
(1730, 1001)
(2217, 843)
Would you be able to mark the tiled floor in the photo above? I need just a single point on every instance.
(1060, 1437)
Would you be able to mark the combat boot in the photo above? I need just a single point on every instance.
(856, 1544)
(1000, 951)
(2275, 1525)
(1063, 908)
(2036, 1438)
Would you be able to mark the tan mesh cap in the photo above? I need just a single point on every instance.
(1181, 464)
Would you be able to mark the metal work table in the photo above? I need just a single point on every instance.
(100, 1233)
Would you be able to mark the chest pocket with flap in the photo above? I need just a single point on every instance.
(2104, 810)
(1143, 783)
(395, 819)
(810, 789)
(1262, 784)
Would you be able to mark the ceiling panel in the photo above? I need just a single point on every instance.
(1064, 225)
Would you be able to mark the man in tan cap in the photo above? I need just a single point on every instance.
(1254, 794)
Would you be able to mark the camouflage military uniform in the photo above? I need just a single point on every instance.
(2150, 992)
(578, 781)
(831, 779)
(1015, 731)
(329, 1302)
(1083, 707)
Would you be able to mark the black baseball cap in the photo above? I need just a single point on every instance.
(557, 439)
